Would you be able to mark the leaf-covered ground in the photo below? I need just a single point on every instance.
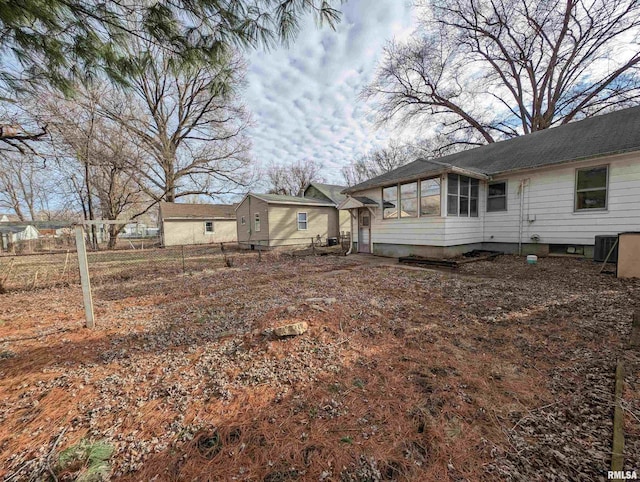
(497, 371)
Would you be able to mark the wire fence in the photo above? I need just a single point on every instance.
(51, 264)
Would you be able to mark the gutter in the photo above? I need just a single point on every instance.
(422, 175)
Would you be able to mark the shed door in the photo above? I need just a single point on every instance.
(364, 230)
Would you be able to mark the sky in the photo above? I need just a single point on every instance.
(304, 99)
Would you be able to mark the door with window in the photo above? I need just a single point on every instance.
(364, 230)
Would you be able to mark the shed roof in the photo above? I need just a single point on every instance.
(197, 211)
(607, 134)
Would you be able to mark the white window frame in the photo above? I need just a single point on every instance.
(417, 199)
(256, 222)
(605, 189)
(460, 195)
(306, 220)
(206, 225)
(420, 196)
(506, 196)
(397, 201)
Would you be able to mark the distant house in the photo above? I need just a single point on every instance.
(9, 218)
(54, 229)
(182, 224)
(272, 220)
(11, 233)
(551, 191)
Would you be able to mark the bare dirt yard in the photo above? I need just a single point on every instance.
(498, 371)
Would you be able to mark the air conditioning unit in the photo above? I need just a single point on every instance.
(602, 248)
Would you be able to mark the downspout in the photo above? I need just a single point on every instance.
(351, 237)
(523, 183)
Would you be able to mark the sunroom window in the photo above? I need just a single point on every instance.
(409, 200)
(462, 196)
(390, 202)
(430, 197)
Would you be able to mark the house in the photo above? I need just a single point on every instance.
(330, 193)
(272, 220)
(182, 224)
(11, 233)
(552, 191)
(54, 229)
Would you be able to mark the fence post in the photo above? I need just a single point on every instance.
(84, 276)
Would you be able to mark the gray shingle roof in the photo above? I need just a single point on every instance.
(614, 133)
(197, 211)
(331, 191)
(279, 198)
(11, 228)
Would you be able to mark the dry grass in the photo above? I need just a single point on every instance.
(408, 375)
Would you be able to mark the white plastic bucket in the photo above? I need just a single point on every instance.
(532, 259)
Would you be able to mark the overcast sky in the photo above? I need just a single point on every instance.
(304, 99)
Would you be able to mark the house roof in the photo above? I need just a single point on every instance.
(331, 191)
(11, 228)
(614, 133)
(52, 224)
(357, 202)
(197, 211)
(281, 199)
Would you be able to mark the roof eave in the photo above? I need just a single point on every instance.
(293, 203)
(423, 175)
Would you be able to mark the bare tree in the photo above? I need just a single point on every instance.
(482, 70)
(23, 186)
(190, 125)
(292, 179)
(96, 156)
(378, 161)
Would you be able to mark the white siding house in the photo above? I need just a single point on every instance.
(553, 190)
(184, 224)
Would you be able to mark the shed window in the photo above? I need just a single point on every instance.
(390, 202)
(497, 196)
(462, 196)
(208, 226)
(591, 188)
(430, 197)
(256, 222)
(302, 221)
(242, 221)
(409, 200)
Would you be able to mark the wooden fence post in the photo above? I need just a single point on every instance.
(617, 453)
(84, 276)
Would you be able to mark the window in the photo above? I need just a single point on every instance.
(256, 222)
(302, 221)
(409, 200)
(389, 202)
(497, 196)
(462, 196)
(591, 188)
(430, 197)
(208, 226)
(242, 221)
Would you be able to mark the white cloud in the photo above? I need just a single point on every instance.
(304, 99)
